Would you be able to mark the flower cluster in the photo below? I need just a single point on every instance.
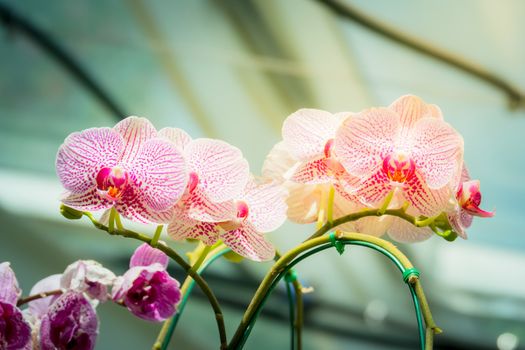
(201, 187)
(405, 154)
(62, 314)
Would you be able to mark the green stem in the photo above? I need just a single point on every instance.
(162, 340)
(330, 204)
(386, 202)
(118, 221)
(111, 223)
(179, 260)
(156, 236)
(299, 307)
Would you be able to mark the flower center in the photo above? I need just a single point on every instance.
(242, 210)
(328, 148)
(398, 167)
(111, 182)
(242, 214)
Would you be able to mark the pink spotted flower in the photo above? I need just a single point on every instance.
(127, 167)
(406, 147)
(259, 209)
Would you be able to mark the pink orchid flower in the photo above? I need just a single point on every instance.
(218, 172)
(126, 167)
(468, 196)
(406, 147)
(259, 209)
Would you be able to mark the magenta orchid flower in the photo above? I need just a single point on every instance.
(468, 196)
(127, 167)
(218, 173)
(69, 323)
(259, 209)
(406, 147)
(89, 277)
(15, 332)
(146, 289)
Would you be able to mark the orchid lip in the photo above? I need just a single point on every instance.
(112, 182)
(398, 167)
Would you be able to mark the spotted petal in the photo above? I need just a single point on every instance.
(178, 136)
(267, 206)
(363, 141)
(411, 109)
(313, 172)
(247, 242)
(199, 207)
(89, 200)
(183, 227)
(135, 132)
(303, 203)
(278, 162)
(221, 168)
(403, 231)
(134, 207)
(427, 201)
(306, 132)
(374, 189)
(83, 154)
(437, 150)
(161, 174)
(9, 290)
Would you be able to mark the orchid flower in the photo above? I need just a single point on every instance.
(218, 173)
(69, 323)
(406, 147)
(127, 167)
(468, 196)
(147, 289)
(89, 277)
(15, 332)
(259, 209)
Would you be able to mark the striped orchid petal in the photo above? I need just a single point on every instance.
(183, 227)
(306, 132)
(221, 169)
(83, 154)
(411, 109)
(267, 206)
(278, 163)
(178, 137)
(160, 173)
(437, 150)
(89, 200)
(363, 141)
(427, 201)
(146, 255)
(303, 202)
(199, 207)
(133, 206)
(247, 242)
(403, 231)
(374, 189)
(135, 132)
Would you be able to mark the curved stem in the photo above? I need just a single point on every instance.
(156, 236)
(179, 260)
(283, 263)
(299, 307)
(26, 300)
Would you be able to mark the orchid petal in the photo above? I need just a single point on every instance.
(83, 154)
(247, 242)
(374, 189)
(39, 307)
(306, 132)
(375, 226)
(135, 132)
(89, 200)
(427, 201)
(303, 203)
(160, 173)
(9, 290)
(278, 162)
(222, 171)
(133, 207)
(363, 141)
(183, 227)
(313, 172)
(460, 221)
(90, 277)
(146, 255)
(177, 136)
(15, 332)
(437, 150)
(411, 109)
(267, 206)
(403, 231)
(200, 207)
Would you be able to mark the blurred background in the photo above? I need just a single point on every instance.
(234, 70)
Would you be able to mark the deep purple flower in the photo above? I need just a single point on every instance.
(70, 323)
(15, 332)
(149, 292)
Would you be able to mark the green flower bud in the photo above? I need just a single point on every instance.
(70, 213)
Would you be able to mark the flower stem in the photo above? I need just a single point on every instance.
(156, 236)
(179, 260)
(25, 300)
(111, 222)
(202, 250)
(330, 204)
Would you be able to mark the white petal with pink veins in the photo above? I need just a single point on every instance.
(146, 255)
(411, 108)
(437, 150)
(278, 162)
(199, 207)
(133, 206)
(135, 131)
(247, 242)
(374, 189)
(182, 227)
(427, 201)
(221, 168)
(306, 132)
(363, 141)
(89, 200)
(178, 136)
(403, 231)
(160, 172)
(83, 154)
(267, 206)
(313, 172)
(303, 202)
